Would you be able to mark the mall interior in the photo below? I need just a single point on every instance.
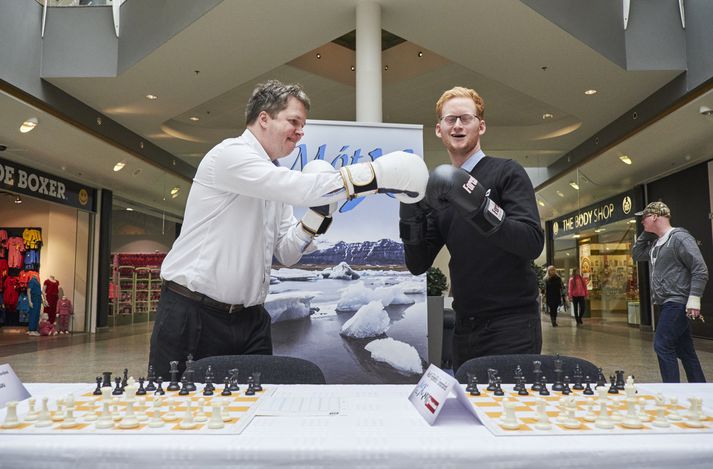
(106, 109)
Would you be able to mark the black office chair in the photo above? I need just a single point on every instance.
(505, 364)
(273, 369)
(449, 325)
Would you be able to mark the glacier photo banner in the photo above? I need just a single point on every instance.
(351, 306)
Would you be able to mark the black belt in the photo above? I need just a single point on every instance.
(201, 298)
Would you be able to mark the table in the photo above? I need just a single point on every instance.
(378, 428)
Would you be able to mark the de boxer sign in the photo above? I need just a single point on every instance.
(23, 180)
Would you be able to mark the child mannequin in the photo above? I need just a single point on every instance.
(64, 311)
(46, 327)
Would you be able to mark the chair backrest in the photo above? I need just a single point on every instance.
(273, 369)
(505, 364)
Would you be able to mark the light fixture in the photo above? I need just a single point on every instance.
(632, 221)
(576, 236)
(353, 68)
(151, 97)
(18, 199)
(599, 230)
(174, 191)
(625, 159)
(559, 193)
(420, 53)
(547, 115)
(119, 166)
(386, 68)
(590, 92)
(319, 56)
(705, 111)
(129, 209)
(541, 203)
(194, 118)
(29, 125)
(574, 185)
(566, 253)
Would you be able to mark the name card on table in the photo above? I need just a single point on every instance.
(432, 391)
(11, 389)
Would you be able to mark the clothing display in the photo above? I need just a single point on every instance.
(35, 294)
(64, 312)
(19, 263)
(51, 290)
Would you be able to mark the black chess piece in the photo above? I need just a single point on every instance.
(189, 374)
(208, 380)
(107, 379)
(537, 375)
(523, 389)
(98, 390)
(474, 391)
(118, 390)
(613, 389)
(543, 387)
(588, 388)
(498, 389)
(184, 388)
(226, 387)
(565, 387)
(258, 383)
(558, 385)
(577, 379)
(151, 377)
(469, 386)
(601, 380)
(159, 390)
(619, 379)
(173, 384)
(251, 390)
(492, 375)
(234, 379)
(141, 391)
(125, 379)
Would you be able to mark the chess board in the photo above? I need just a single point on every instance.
(171, 409)
(490, 411)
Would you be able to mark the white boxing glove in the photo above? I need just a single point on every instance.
(400, 173)
(316, 220)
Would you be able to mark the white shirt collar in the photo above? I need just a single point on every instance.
(473, 160)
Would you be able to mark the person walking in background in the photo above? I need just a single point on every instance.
(553, 293)
(577, 292)
(678, 278)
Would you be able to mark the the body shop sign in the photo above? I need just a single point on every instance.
(613, 209)
(23, 180)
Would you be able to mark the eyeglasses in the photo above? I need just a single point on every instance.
(465, 119)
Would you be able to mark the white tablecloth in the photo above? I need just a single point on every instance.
(377, 428)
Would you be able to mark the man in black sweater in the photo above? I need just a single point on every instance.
(483, 209)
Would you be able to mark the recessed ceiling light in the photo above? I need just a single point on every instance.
(194, 118)
(151, 96)
(599, 230)
(576, 236)
(119, 166)
(175, 190)
(29, 125)
(559, 193)
(590, 92)
(18, 199)
(319, 56)
(547, 115)
(574, 185)
(566, 253)
(386, 68)
(625, 159)
(129, 209)
(353, 68)
(420, 53)
(541, 203)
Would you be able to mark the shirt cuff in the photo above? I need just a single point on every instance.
(303, 236)
(694, 302)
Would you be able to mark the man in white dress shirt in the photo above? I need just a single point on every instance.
(239, 215)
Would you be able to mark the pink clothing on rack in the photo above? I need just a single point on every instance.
(64, 307)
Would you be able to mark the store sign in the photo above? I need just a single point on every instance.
(23, 180)
(616, 208)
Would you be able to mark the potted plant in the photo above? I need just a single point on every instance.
(436, 284)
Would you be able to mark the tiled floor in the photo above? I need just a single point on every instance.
(610, 344)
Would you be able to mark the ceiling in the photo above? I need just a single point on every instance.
(209, 69)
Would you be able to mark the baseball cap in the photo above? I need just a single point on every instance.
(655, 208)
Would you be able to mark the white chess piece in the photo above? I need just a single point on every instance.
(674, 415)
(11, 420)
(660, 420)
(105, 419)
(32, 413)
(226, 410)
(543, 421)
(187, 423)
(216, 417)
(695, 413)
(170, 415)
(643, 415)
(590, 416)
(603, 420)
(129, 420)
(570, 420)
(58, 415)
(69, 420)
(115, 415)
(631, 420)
(44, 419)
(509, 420)
(156, 421)
(200, 415)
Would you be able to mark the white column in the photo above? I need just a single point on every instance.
(368, 61)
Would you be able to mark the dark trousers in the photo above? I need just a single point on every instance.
(673, 340)
(184, 326)
(552, 307)
(578, 303)
(502, 335)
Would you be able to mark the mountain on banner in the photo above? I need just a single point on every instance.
(382, 252)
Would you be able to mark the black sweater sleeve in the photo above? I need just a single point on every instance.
(419, 257)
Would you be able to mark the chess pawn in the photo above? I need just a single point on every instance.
(200, 415)
(590, 416)
(44, 419)
(32, 413)
(226, 410)
(69, 420)
(105, 420)
(159, 390)
(588, 387)
(631, 420)
(226, 387)
(118, 389)
(151, 377)
(565, 386)
(570, 420)
(543, 387)
(58, 414)
(543, 420)
(660, 420)
(674, 414)
(184, 387)
(156, 421)
(251, 390)
(115, 415)
(643, 415)
(694, 413)
(129, 421)
(187, 423)
(216, 417)
(11, 420)
(141, 391)
(257, 376)
(498, 389)
(613, 389)
(98, 390)
(603, 421)
(469, 387)
(170, 415)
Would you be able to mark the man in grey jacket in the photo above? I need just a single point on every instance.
(678, 278)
